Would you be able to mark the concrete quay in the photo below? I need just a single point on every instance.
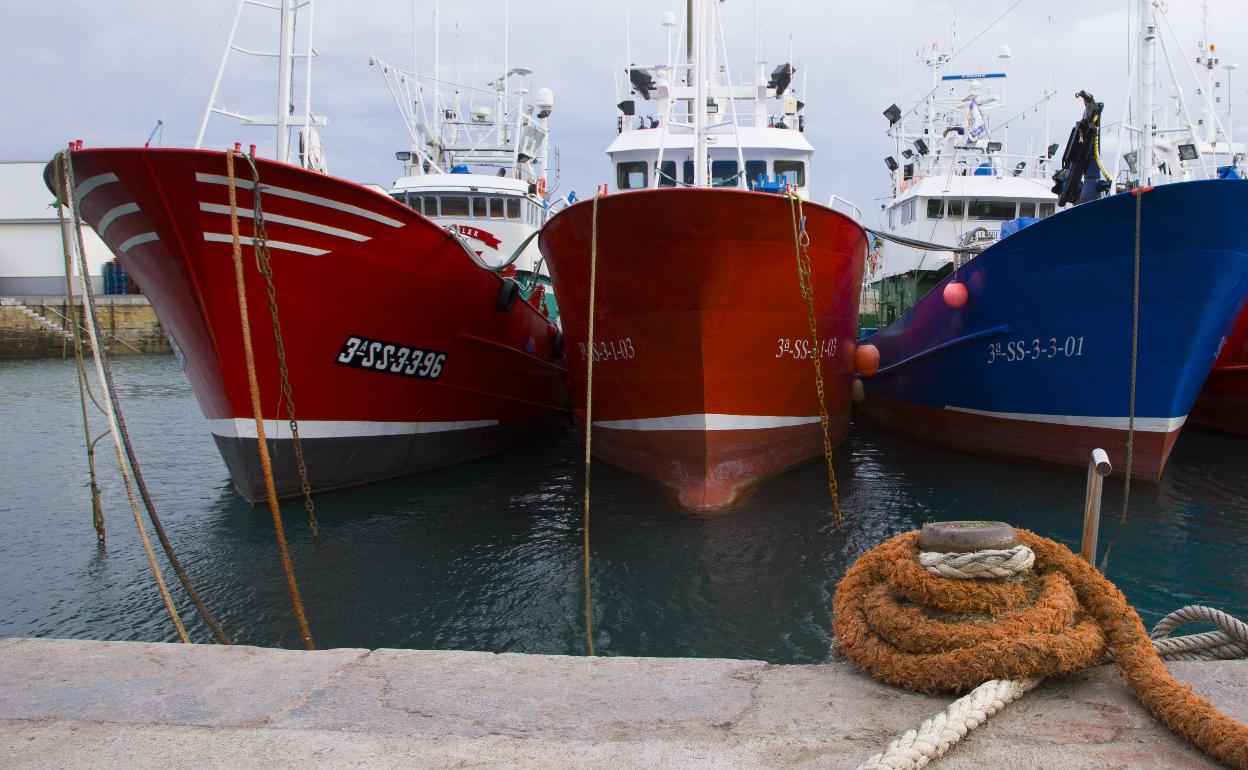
(86, 704)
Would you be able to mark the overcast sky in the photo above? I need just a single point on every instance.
(106, 71)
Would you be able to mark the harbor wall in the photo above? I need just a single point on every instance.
(38, 326)
(87, 704)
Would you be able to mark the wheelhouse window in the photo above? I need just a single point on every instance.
(935, 208)
(793, 172)
(1027, 209)
(513, 208)
(402, 197)
(454, 205)
(991, 210)
(724, 173)
(1046, 210)
(667, 173)
(431, 205)
(754, 169)
(907, 212)
(687, 172)
(496, 208)
(480, 208)
(631, 175)
(955, 208)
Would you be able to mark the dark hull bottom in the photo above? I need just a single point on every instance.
(335, 463)
(1039, 442)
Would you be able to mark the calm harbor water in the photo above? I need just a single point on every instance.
(487, 555)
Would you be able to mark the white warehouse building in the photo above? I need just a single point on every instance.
(32, 261)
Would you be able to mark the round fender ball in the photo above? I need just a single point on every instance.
(867, 359)
(955, 294)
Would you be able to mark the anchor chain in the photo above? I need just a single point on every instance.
(805, 283)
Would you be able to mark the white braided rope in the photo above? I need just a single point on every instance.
(978, 564)
(915, 748)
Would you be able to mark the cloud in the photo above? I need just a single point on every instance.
(105, 72)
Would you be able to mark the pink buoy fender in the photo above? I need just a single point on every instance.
(867, 359)
(955, 294)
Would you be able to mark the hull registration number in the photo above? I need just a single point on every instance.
(391, 358)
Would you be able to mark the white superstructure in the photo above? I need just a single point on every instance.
(702, 129)
(951, 173)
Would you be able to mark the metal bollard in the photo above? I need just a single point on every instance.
(1098, 469)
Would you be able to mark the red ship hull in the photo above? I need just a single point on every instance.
(1222, 405)
(399, 355)
(702, 372)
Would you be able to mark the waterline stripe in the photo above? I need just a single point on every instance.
(300, 196)
(217, 208)
(113, 214)
(1143, 424)
(707, 422)
(311, 429)
(246, 241)
(89, 184)
(130, 243)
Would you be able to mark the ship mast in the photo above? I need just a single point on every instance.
(699, 26)
(285, 51)
(1147, 88)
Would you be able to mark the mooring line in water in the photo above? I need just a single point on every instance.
(805, 285)
(97, 510)
(288, 568)
(112, 411)
(1138, 192)
(589, 420)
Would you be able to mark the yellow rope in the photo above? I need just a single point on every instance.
(287, 566)
(805, 283)
(589, 420)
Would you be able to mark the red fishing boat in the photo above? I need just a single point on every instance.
(405, 349)
(703, 375)
(1222, 405)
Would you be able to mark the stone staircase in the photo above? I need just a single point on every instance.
(37, 317)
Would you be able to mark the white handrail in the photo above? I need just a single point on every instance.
(846, 203)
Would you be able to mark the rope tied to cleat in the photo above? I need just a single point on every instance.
(900, 617)
(805, 284)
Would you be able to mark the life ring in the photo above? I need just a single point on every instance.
(541, 188)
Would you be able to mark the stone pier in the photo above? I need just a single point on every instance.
(38, 327)
(86, 704)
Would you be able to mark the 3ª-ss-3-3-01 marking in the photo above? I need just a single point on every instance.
(391, 358)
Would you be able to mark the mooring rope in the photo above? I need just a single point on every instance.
(1138, 192)
(97, 510)
(805, 285)
(589, 419)
(68, 193)
(288, 568)
(110, 391)
(911, 627)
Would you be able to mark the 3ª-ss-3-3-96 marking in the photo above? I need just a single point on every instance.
(1036, 349)
(391, 358)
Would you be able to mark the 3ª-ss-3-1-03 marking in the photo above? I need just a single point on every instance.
(391, 358)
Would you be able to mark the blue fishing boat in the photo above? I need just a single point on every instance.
(1024, 348)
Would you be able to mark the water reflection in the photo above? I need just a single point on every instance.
(487, 555)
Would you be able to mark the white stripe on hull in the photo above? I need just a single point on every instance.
(217, 208)
(87, 185)
(137, 240)
(301, 196)
(707, 422)
(282, 245)
(312, 429)
(113, 214)
(1143, 424)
